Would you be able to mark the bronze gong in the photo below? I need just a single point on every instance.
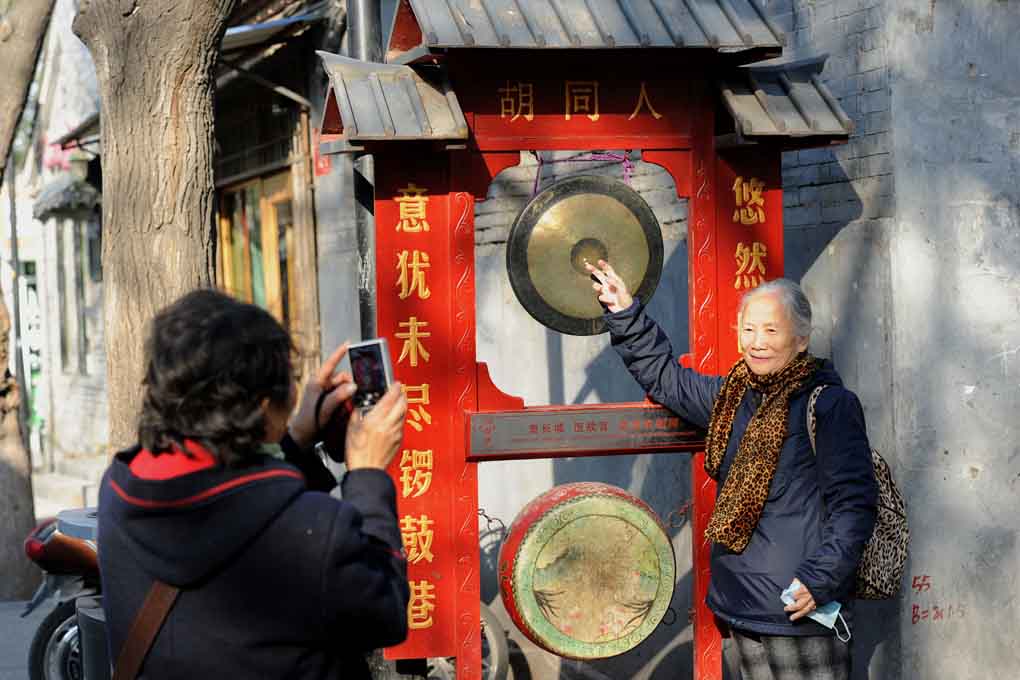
(584, 218)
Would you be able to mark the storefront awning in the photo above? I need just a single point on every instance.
(253, 35)
(373, 102)
(785, 100)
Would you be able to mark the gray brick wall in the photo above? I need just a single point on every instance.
(829, 188)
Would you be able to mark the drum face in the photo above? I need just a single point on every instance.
(587, 571)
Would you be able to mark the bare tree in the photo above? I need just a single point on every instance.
(22, 27)
(155, 63)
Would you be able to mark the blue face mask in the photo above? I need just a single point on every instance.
(827, 614)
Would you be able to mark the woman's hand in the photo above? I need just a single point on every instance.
(803, 602)
(373, 439)
(611, 288)
(338, 387)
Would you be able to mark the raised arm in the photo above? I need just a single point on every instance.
(648, 354)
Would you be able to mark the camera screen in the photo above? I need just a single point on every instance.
(369, 374)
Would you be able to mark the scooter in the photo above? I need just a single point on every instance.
(71, 570)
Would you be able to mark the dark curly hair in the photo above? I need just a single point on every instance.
(210, 361)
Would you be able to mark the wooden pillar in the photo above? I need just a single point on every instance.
(426, 309)
(417, 308)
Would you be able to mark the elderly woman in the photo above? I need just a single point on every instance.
(785, 518)
(273, 577)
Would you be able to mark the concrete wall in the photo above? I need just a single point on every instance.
(955, 263)
(907, 242)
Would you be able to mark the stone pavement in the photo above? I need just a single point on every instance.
(16, 635)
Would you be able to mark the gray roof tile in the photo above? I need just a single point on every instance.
(529, 24)
(393, 102)
(784, 100)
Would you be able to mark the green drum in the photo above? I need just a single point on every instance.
(587, 571)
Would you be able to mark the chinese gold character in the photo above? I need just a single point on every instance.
(750, 204)
(421, 605)
(415, 472)
(516, 101)
(751, 265)
(416, 535)
(412, 340)
(644, 101)
(582, 98)
(412, 266)
(416, 406)
(413, 204)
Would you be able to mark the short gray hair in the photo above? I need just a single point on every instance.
(793, 299)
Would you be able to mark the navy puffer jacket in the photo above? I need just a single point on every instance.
(278, 579)
(820, 510)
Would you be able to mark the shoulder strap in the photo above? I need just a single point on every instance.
(144, 628)
(811, 416)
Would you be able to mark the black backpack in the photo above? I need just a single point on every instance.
(880, 571)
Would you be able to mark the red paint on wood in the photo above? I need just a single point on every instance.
(464, 385)
(406, 33)
(490, 397)
(414, 215)
(750, 234)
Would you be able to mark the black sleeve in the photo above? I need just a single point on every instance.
(365, 581)
(317, 475)
(648, 355)
(846, 478)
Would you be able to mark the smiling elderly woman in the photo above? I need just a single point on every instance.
(786, 522)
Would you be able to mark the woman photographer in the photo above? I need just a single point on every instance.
(224, 505)
(789, 524)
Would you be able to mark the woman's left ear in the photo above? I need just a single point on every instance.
(802, 344)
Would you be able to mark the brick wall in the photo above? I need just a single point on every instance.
(828, 188)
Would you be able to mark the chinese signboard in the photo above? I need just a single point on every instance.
(413, 290)
(591, 430)
(536, 107)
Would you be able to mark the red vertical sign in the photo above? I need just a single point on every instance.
(415, 286)
(750, 222)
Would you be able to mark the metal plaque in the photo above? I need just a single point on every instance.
(558, 431)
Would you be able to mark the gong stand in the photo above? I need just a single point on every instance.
(663, 104)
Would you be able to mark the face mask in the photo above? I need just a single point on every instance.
(827, 614)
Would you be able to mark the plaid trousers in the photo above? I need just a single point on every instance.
(779, 657)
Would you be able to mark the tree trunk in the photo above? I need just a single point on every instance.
(155, 63)
(22, 28)
(20, 576)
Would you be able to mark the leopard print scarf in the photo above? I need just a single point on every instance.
(746, 488)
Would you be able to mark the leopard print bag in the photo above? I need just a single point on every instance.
(884, 559)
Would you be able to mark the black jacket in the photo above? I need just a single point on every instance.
(820, 510)
(277, 581)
